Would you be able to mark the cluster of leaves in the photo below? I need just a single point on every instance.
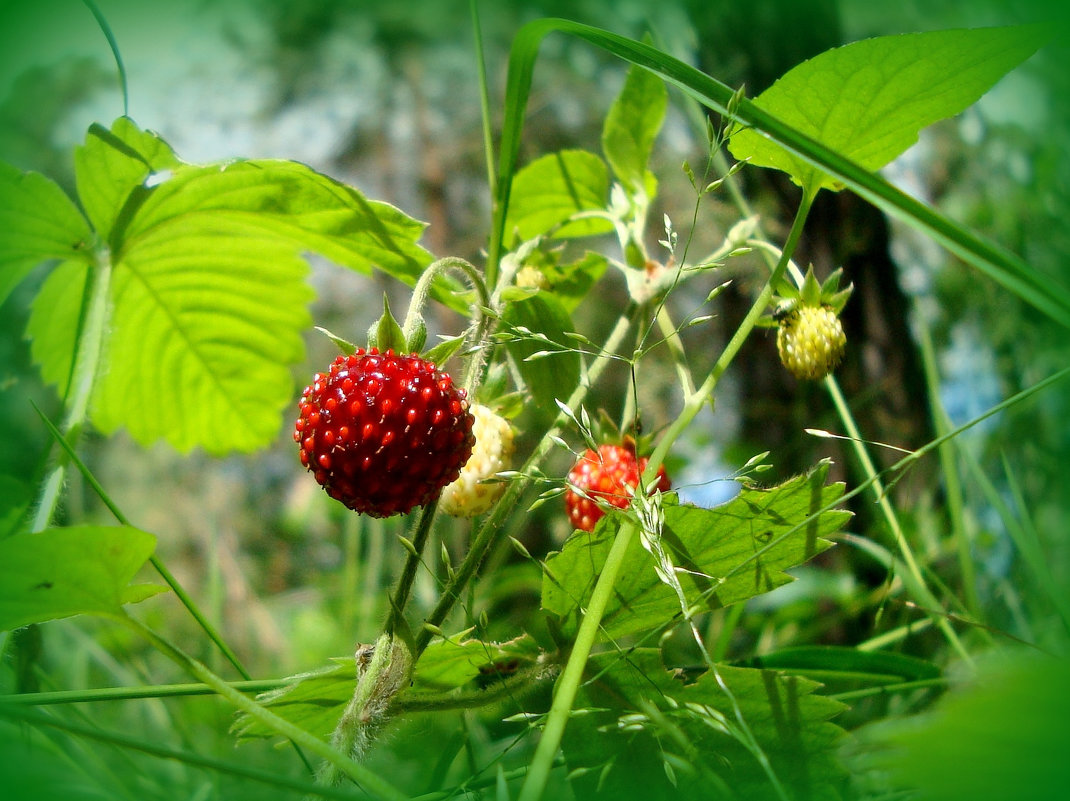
(176, 305)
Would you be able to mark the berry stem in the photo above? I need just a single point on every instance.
(412, 562)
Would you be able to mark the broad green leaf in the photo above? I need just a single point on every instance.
(642, 715)
(61, 572)
(571, 282)
(112, 165)
(868, 100)
(38, 222)
(549, 190)
(723, 555)
(535, 328)
(53, 325)
(207, 291)
(632, 124)
(1000, 736)
(315, 701)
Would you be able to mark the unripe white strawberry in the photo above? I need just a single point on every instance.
(810, 341)
(471, 494)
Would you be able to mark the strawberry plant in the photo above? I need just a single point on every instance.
(546, 614)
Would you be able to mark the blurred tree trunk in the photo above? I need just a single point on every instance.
(752, 44)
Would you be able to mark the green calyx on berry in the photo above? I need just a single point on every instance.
(606, 477)
(474, 492)
(383, 433)
(810, 337)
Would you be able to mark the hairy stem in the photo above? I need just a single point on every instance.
(90, 342)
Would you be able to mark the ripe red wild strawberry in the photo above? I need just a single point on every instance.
(383, 433)
(610, 475)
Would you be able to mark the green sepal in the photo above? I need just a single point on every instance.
(444, 350)
(344, 345)
(385, 333)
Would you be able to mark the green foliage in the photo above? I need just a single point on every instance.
(549, 191)
(631, 126)
(37, 222)
(999, 736)
(190, 281)
(535, 330)
(868, 100)
(723, 555)
(207, 292)
(649, 727)
(76, 570)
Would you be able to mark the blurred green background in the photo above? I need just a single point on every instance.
(385, 96)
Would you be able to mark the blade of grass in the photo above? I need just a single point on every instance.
(142, 745)
(952, 485)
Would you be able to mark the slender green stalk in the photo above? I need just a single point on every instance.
(412, 562)
(105, 28)
(694, 403)
(887, 689)
(133, 693)
(568, 684)
(921, 589)
(484, 94)
(358, 773)
(952, 484)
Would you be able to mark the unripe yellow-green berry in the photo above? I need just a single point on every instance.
(810, 341)
(470, 494)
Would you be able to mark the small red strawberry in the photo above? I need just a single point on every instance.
(609, 476)
(383, 433)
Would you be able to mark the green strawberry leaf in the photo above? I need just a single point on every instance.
(54, 322)
(548, 191)
(449, 664)
(723, 555)
(38, 222)
(648, 727)
(207, 292)
(111, 167)
(632, 125)
(61, 572)
(535, 331)
(868, 100)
